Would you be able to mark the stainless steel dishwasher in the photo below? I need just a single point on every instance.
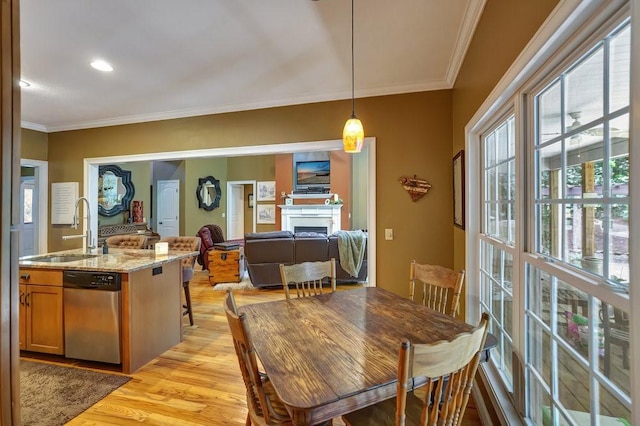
(92, 315)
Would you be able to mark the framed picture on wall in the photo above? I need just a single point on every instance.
(267, 191)
(266, 214)
(458, 189)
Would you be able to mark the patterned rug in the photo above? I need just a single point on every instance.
(52, 394)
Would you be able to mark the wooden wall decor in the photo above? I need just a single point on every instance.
(417, 188)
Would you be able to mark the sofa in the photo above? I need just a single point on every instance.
(265, 251)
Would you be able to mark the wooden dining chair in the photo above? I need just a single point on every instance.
(265, 408)
(185, 243)
(308, 277)
(127, 241)
(438, 284)
(449, 368)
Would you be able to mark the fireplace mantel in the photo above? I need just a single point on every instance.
(311, 215)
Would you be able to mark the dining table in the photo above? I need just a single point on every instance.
(334, 353)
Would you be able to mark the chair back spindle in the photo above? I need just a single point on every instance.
(308, 277)
(439, 284)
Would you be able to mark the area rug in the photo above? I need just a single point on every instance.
(53, 394)
(244, 284)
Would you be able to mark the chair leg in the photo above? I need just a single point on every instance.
(187, 296)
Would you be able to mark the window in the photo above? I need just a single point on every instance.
(549, 246)
(498, 234)
(577, 356)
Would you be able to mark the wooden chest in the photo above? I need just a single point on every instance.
(226, 266)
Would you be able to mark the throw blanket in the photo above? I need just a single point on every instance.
(351, 245)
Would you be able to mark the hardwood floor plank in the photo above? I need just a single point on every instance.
(197, 382)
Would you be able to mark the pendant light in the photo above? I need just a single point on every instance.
(353, 133)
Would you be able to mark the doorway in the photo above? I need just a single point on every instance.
(91, 175)
(241, 217)
(168, 199)
(33, 225)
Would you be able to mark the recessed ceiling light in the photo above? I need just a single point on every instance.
(24, 84)
(101, 65)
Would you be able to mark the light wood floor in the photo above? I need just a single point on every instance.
(197, 382)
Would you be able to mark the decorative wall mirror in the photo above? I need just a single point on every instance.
(208, 193)
(115, 190)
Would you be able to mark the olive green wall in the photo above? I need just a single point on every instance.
(413, 134)
(35, 145)
(194, 216)
(504, 30)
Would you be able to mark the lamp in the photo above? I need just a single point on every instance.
(353, 133)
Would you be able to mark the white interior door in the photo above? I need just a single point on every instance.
(235, 226)
(28, 216)
(168, 197)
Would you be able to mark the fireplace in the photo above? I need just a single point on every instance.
(311, 217)
(319, 229)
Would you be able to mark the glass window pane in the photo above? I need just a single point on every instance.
(619, 164)
(615, 355)
(584, 237)
(611, 409)
(584, 88)
(549, 163)
(538, 295)
(548, 109)
(502, 141)
(619, 246)
(490, 150)
(573, 383)
(28, 205)
(619, 69)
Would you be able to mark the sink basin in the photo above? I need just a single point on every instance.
(58, 258)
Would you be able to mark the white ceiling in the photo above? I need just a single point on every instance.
(191, 57)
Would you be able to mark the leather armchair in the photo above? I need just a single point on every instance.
(209, 235)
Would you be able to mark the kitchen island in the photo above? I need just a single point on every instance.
(150, 314)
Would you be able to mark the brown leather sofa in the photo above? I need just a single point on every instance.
(265, 251)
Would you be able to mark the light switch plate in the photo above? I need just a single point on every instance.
(388, 234)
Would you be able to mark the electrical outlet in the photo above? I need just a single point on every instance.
(388, 234)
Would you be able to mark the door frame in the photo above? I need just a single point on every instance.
(42, 183)
(90, 187)
(253, 211)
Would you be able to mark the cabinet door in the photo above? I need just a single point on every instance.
(44, 319)
(23, 317)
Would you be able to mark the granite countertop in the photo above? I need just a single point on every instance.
(118, 260)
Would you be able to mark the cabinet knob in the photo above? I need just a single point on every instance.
(25, 276)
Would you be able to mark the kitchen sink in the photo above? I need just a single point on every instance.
(59, 258)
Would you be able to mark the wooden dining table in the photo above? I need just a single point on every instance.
(331, 354)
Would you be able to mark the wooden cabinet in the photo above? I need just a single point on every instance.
(41, 310)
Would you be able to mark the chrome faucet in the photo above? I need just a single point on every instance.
(76, 221)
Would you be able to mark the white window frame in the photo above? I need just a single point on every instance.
(542, 52)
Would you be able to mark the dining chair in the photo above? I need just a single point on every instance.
(438, 283)
(182, 243)
(127, 241)
(448, 367)
(308, 277)
(265, 408)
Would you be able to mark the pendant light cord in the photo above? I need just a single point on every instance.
(353, 90)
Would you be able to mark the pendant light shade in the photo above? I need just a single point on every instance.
(353, 133)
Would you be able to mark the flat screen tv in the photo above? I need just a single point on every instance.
(312, 174)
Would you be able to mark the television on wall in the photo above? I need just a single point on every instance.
(313, 175)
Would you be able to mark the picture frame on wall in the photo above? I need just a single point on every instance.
(266, 214)
(458, 190)
(250, 200)
(266, 191)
